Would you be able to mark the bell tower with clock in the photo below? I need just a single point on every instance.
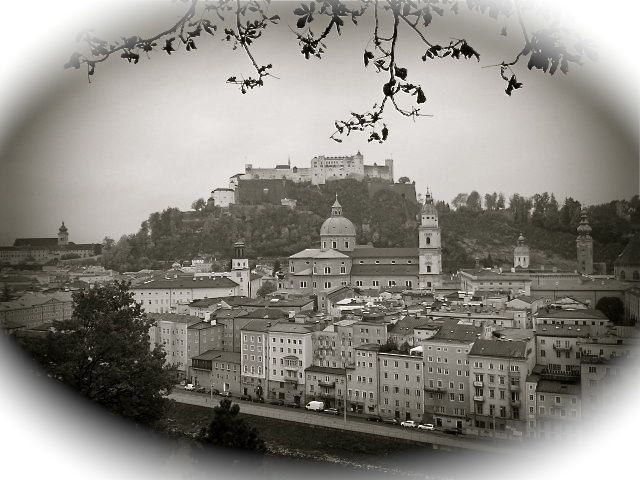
(430, 246)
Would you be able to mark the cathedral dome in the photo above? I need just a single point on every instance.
(336, 224)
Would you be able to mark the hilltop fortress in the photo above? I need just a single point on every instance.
(322, 170)
(268, 185)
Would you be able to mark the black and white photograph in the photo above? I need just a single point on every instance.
(319, 238)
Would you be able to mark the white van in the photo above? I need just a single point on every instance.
(315, 405)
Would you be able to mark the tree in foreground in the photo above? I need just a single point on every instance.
(103, 352)
(228, 430)
(545, 45)
(613, 308)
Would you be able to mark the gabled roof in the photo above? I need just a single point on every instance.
(454, 330)
(499, 348)
(259, 325)
(405, 325)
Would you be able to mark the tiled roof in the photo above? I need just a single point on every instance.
(455, 330)
(385, 270)
(35, 242)
(289, 328)
(259, 325)
(499, 348)
(372, 252)
(562, 331)
(190, 282)
(270, 313)
(219, 355)
(586, 314)
(174, 317)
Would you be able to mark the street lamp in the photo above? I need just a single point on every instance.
(211, 391)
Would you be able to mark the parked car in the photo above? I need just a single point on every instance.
(201, 390)
(293, 405)
(452, 431)
(409, 423)
(391, 421)
(189, 387)
(216, 391)
(374, 418)
(277, 402)
(331, 411)
(258, 400)
(226, 394)
(315, 405)
(426, 426)
(245, 397)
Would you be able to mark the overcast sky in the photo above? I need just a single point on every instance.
(103, 156)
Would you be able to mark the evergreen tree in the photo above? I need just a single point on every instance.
(103, 352)
(227, 430)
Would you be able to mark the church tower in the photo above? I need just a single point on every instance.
(337, 232)
(63, 235)
(430, 246)
(584, 246)
(240, 270)
(521, 254)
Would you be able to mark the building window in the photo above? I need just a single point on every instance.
(327, 270)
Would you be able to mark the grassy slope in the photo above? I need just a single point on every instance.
(467, 235)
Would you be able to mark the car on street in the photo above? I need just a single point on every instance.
(426, 426)
(258, 400)
(201, 390)
(453, 431)
(215, 391)
(226, 394)
(409, 423)
(293, 405)
(331, 411)
(390, 421)
(245, 397)
(276, 402)
(374, 418)
(189, 387)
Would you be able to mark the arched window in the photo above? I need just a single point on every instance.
(636, 275)
(428, 240)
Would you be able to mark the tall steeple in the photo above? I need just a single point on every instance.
(521, 253)
(430, 247)
(584, 245)
(63, 235)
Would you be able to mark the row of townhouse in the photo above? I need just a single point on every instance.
(465, 374)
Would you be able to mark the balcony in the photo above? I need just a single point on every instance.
(514, 374)
(515, 403)
(515, 387)
(291, 380)
(478, 398)
(323, 383)
(478, 383)
(560, 348)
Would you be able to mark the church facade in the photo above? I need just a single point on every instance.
(339, 262)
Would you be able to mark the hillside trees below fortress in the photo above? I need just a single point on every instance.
(384, 219)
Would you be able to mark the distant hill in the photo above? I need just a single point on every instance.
(383, 217)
